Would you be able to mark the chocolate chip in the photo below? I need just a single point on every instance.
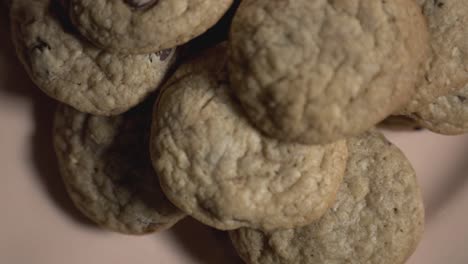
(40, 45)
(140, 4)
(461, 98)
(163, 54)
(438, 3)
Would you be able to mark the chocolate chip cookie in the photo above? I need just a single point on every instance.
(378, 216)
(144, 26)
(106, 167)
(313, 71)
(71, 70)
(215, 166)
(448, 69)
(446, 115)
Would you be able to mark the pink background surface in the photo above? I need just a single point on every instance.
(38, 223)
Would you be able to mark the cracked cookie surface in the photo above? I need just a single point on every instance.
(222, 171)
(73, 71)
(106, 168)
(378, 216)
(135, 27)
(446, 115)
(447, 71)
(316, 71)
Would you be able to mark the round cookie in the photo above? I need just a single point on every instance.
(106, 168)
(316, 71)
(73, 71)
(448, 69)
(378, 216)
(136, 26)
(219, 169)
(446, 115)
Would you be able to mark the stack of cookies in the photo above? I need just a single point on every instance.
(254, 116)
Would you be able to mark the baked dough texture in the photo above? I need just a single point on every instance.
(215, 166)
(71, 70)
(447, 115)
(316, 71)
(447, 70)
(135, 27)
(106, 168)
(378, 216)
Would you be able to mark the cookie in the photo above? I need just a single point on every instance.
(448, 68)
(144, 26)
(316, 71)
(73, 71)
(447, 115)
(215, 166)
(378, 216)
(106, 168)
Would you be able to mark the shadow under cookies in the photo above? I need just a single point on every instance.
(18, 86)
(206, 245)
(458, 180)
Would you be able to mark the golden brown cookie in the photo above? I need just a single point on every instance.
(315, 71)
(378, 217)
(215, 166)
(106, 167)
(144, 26)
(447, 71)
(71, 70)
(447, 115)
